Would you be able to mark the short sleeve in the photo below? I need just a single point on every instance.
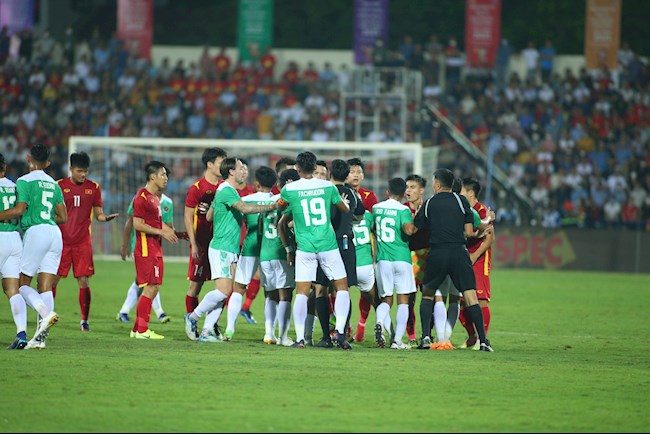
(129, 210)
(140, 206)
(336, 196)
(420, 219)
(58, 195)
(97, 200)
(192, 197)
(230, 196)
(477, 218)
(22, 191)
(406, 216)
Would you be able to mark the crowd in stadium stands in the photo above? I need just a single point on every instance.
(577, 145)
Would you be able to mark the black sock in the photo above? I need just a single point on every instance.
(323, 312)
(477, 318)
(426, 307)
(347, 323)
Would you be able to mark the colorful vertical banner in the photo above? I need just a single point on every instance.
(482, 32)
(254, 28)
(135, 25)
(602, 33)
(370, 24)
(17, 15)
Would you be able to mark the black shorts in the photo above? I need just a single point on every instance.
(452, 261)
(349, 257)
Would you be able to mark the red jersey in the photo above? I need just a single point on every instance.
(485, 260)
(147, 207)
(420, 239)
(248, 189)
(368, 198)
(201, 191)
(275, 189)
(79, 201)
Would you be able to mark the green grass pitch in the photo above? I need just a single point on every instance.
(571, 355)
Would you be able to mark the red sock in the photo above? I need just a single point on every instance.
(466, 320)
(225, 306)
(191, 303)
(54, 291)
(364, 310)
(251, 292)
(144, 313)
(331, 298)
(486, 318)
(84, 303)
(410, 324)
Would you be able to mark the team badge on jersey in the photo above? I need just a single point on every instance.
(89, 191)
(66, 190)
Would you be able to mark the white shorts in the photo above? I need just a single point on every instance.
(220, 262)
(277, 274)
(307, 263)
(10, 253)
(447, 287)
(42, 248)
(246, 268)
(391, 275)
(366, 277)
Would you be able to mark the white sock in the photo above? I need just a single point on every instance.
(34, 300)
(440, 320)
(209, 302)
(213, 317)
(270, 313)
(48, 299)
(309, 326)
(19, 312)
(299, 316)
(383, 315)
(401, 319)
(452, 317)
(234, 307)
(131, 298)
(341, 310)
(284, 315)
(157, 306)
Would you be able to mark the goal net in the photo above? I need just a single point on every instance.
(117, 164)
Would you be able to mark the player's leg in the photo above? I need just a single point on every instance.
(306, 264)
(404, 284)
(435, 272)
(156, 305)
(150, 277)
(130, 301)
(311, 318)
(334, 268)
(84, 267)
(284, 316)
(385, 288)
(197, 273)
(321, 304)
(84, 302)
(10, 270)
(271, 302)
(64, 267)
(252, 290)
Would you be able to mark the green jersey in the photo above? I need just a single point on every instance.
(392, 242)
(362, 240)
(271, 245)
(251, 246)
(167, 207)
(226, 219)
(42, 194)
(7, 200)
(309, 203)
(477, 218)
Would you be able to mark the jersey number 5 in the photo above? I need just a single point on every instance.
(46, 214)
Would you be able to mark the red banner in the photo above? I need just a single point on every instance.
(482, 32)
(602, 33)
(135, 25)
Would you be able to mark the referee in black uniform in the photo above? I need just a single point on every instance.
(449, 219)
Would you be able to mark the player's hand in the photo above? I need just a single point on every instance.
(203, 207)
(110, 217)
(169, 234)
(182, 235)
(291, 258)
(125, 252)
(492, 215)
(290, 224)
(196, 252)
(345, 198)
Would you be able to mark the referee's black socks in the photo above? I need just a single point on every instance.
(426, 307)
(323, 312)
(476, 314)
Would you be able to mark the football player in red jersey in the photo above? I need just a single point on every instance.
(480, 252)
(83, 199)
(199, 230)
(148, 255)
(369, 199)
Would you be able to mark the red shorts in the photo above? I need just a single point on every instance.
(80, 258)
(482, 281)
(199, 271)
(149, 270)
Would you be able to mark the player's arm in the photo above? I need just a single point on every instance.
(283, 233)
(409, 228)
(166, 232)
(126, 237)
(253, 208)
(98, 212)
(485, 245)
(188, 220)
(60, 213)
(13, 213)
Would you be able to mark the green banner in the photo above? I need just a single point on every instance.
(255, 28)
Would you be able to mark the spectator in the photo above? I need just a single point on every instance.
(531, 58)
(546, 59)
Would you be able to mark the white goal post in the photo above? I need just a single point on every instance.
(117, 164)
